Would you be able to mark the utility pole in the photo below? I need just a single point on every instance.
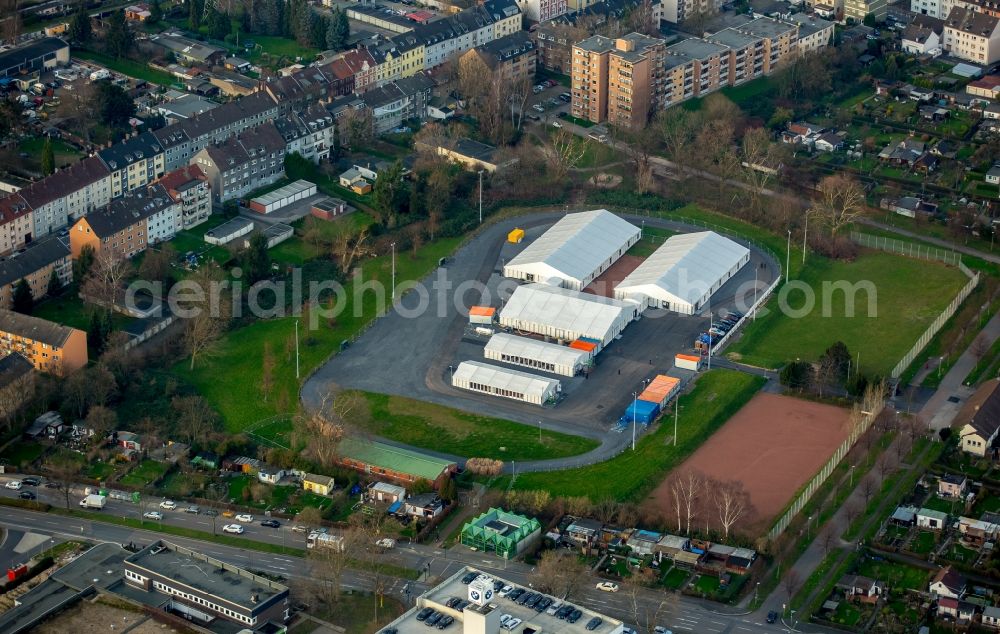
(755, 270)
(296, 348)
(480, 196)
(393, 245)
(635, 396)
(788, 255)
(677, 408)
(539, 432)
(805, 234)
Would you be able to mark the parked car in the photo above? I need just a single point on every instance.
(594, 623)
(511, 624)
(168, 505)
(504, 618)
(193, 510)
(299, 528)
(607, 586)
(244, 517)
(433, 619)
(152, 515)
(445, 622)
(235, 529)
(772, 616)
(423, 614)
(538, 107)
(514, 594)
(211, 513)
(469, 578)
(14, 484)
(557, 124)
(271, 523)
(574, 616)
(30, 481)
(452, 602)
(504, 591)
(659, 629)
(27, 495)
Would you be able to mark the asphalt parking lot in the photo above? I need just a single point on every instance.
(409, 353)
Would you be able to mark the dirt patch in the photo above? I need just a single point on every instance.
(773, 445)
(97, 617)
(606, 281)
(605, 181)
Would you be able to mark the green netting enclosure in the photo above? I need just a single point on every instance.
(500, 532)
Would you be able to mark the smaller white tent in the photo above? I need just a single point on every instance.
(498, 381)
(684, 272)
(532, 353)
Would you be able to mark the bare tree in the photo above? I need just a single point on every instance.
(559, 573)
(103, 283)
(14, 394)
(605, 510)
(327, 564)
(763, 158)
(564, 152)
(323, 430)
(62, 470)
(692, 484)
(886, 464)
(840, 202)
(827, 539)
(869, 487)
(195, 418)
(852, 511)
(791, 582)
(733, 504)
(207, 311)
(349, 242)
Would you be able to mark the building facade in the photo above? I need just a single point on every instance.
(251, 160)
(50, 347)
(36, 265)
(189, 188)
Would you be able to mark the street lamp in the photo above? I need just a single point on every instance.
(788, 255)
(393, 245)
(539, 432)
(635, 396)
(480, 196)
(805, 235)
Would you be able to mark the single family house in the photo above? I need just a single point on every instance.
(947, 583)
(979, 420)
(929, 518)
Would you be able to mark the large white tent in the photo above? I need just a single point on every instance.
(575, 250)
(532, 353)
(565, 314)
(498, 381)
(684, 272)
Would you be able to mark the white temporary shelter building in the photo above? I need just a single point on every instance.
(684, 272)
(498, 381)
(566, 314)
(532, 353)
(575, 250)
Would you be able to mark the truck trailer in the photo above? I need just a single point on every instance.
(94, 501)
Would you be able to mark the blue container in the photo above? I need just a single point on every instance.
(644, 412)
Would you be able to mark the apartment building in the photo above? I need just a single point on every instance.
(780, 40)
(972, 35)
(87, 186)
(555, 38)
(635, 80)
(189, 188)
(17, 226)
(857, 10)
(128, 224)
(746, 57)
(135, 163)
(589, 78)
(677, 11)
(50, 347)
(253, 159)
(542, 10)
(309, 133)
(513, 57)
(696, 67)
(36, 265)
(390, 105)
(815, 33)
(937, 8)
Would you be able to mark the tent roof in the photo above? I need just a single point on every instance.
(579, 243)
(542, 351)
(590, 315)
(498, 377)
(686, 265)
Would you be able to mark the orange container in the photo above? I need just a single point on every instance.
(586, 346)
(660, 389)
(482, 311)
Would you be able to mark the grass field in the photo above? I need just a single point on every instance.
(717, 395)
(63, 153)
(223, 378)
(908, 294)
(68, 309)
(128, 67)
(144, 474)
(278, 46)
(896, 576)
(463, 434)
(652, 239)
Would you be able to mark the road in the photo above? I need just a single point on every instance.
(679, 613)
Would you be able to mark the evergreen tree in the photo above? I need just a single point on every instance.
(287, 18)
(55, 285)
(319, 24)
(336, 37)
(83, 262)
(23, 301)
(114, 105)
(48, 157)
(256, 259)
(194, 15)
(155, 12)
(219, 25)
(99, 330)
(118, 39)
(80, 29)
(343, 27)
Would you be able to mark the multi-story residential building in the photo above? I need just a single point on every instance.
(627, 71)
(184, 139)
(183, 581)
(513, 57)
(128, 224)
(251, 160)
(780, 41)
(48, 206)
(87, 184)
(923, 36)
(542, 10)
(679, 10)
(555, 38)
(972, 35)
(857, 10)
(938, 8)
(361, 66)
(309, 133)
(746, 57)
(36, 265)
(17, 226)
(814, 32)
(135, 163)
(50, 347)
(506, 16)
(697, 67)
(390, 105)
(189, 187)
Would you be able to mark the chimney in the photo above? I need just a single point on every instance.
(624, 45)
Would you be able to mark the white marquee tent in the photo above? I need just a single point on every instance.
(565, 314)
(498, 381)
(684, 272)
(575, 250)
(532, 353)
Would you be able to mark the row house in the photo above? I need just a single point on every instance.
(513, 57)
(390, 105)
(87, 184)
(542, 10)
(134, 163)
(972, 35)
(397, 57)
(309, 133)
(189, 188)
(184, 139)
(17, 224)
(36, 265)
(128, 224)
(359, 66)
(251, 160)
(300, 88)
(50, 347)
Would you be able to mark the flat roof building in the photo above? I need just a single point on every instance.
(683, 273)
(565, 314)
(283, 196)
(575, 250)
(532, 353)
(498, 381)
(38, 56)
(387, 462)
(500, 532)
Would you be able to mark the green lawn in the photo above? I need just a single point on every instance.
(707, 584)
(896, 576)
(296, 251)
(144, 474)
(22, 453)
(936, 503)
(924, 542)
(717, 395)
(99, 470)
(675, 578)
(180, 484)
(847, 614)
(63, 152)
(193, 240)
(989, 503)
(908, 295)
(223, 379)
(278, 46)
(652, 239)
(128, 67)
(68, 309)
(460, 433)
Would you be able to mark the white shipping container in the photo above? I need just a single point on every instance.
(684, 363)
